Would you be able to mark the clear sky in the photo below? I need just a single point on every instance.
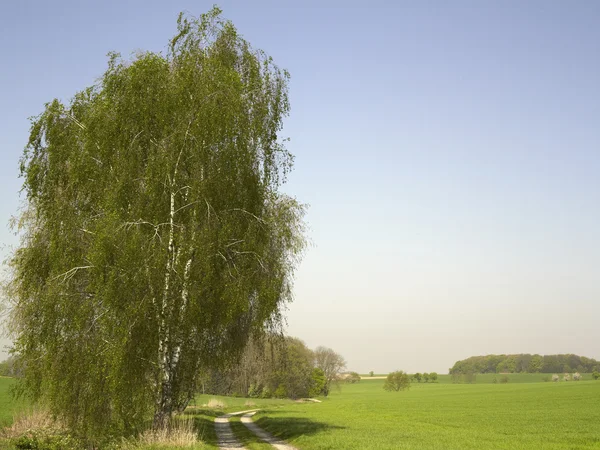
(449, 152)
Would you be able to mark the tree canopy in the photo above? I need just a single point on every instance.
(331, 363)
(397, 381)
(155, 238)
(525, 363)
(270, 366)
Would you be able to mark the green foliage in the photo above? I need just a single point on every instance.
(371, 373)
(268, 362)
(596, 375)
(504, 379)
(297, 369)
(155, 239)
(425, 377)
(319, 383)
(45, 440)
(417, 377)
(280, 392)
(397, 381)
(433, 376)
(524, 363)
(253, 391)
(266, 392)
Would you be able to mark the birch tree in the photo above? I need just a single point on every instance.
(155, 237)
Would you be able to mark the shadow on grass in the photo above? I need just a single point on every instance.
(289, 428)
(205, 427)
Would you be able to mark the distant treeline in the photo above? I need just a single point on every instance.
(526, 363)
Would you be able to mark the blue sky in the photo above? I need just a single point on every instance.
(449, 152)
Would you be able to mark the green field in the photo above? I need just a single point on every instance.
(489, 377)
(512, 377)
(522, 414)
(445, 416)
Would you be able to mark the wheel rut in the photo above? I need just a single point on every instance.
(227, 440)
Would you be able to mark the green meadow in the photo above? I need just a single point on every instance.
(564, 415)
(524, 413)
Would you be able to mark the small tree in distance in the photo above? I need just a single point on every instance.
(397, 381)
(433, 376)
(417, 376)
(353, 377)
(331, 363)
(371, 373)
(426, 377)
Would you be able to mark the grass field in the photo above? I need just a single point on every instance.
(445, 416)
(522, 414)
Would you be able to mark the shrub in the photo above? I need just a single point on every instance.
(318, 383)
(555, 377)
(576, 376)
(433, 376)
(566, 377)
(397, 381)
(266, 392)
(546, 378)
(37, 430)
(371, 373)
(596, 375)
(253, 391)
(353, 377)
(280, 392)
(504, 379)
(45, 440)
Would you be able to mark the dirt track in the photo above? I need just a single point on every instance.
(228, 441)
